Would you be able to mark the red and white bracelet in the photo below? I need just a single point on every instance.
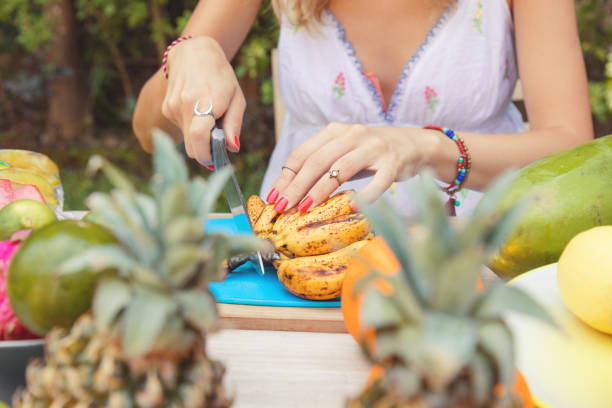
(172, 44)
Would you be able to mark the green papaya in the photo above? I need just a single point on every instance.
(569, 192)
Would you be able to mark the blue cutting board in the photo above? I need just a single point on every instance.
(245, 286)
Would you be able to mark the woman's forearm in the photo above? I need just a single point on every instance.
(227, 23)
(492, 154)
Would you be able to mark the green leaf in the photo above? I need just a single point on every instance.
(184, 229)
(483, 378)
(199, 308)
(111, 296)
(183, 262)
(496, 340)
(168, 166)
(173, 203)
(175, 336)
(378, 311)
(456, 288)
(144, 319)
(449, 343)
(503, 298)
(100, 258)
(214, 187)
(391, 226)
(405, 343)
(406, 380)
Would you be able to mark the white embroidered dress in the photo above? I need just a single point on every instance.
(461, 77)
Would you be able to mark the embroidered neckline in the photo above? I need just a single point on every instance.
(350, 50)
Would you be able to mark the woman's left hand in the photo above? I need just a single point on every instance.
(391, 153)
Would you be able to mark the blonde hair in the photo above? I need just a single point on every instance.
(302, 12)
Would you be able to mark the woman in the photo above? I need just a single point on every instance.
(360, 79)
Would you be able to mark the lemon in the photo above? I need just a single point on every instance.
(585, 277)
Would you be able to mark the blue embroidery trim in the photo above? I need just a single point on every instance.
(388, 116)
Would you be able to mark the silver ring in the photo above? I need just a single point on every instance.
(290, 169)
(334, 173)
(207, 112)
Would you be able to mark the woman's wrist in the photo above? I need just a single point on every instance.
(440, 154)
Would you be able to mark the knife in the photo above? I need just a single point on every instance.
(232, 191)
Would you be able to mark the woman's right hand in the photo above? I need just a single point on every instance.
(198, 70)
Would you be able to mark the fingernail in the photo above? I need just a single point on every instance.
(237, 142)
(210, 167)
(281, 205)
(305, 204)
(354, 207)
(271, 199)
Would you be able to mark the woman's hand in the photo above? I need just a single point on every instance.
(198, 70)
(391, 153)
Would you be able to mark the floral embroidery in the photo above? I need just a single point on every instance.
(392, 189)
(431, 97)
(477, 20)
(506, 70)
(338, 87)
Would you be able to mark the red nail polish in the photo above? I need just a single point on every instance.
(281, 205)
(305, 204)
(210, 167)
(272, 196)
(237, 142)
(354, 207)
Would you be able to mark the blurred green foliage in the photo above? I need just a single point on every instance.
(595, 29)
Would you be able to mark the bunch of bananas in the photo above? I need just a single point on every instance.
(314, 247)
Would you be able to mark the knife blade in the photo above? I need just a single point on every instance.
(232, 191)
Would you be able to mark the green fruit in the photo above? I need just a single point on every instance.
(24, 214)
(40, 296)
(571, 192)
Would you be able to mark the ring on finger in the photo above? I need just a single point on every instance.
(335, 174)
(290, 169)
(207, 112)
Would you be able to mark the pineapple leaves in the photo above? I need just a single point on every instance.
(168, 166)
(502, 298)
(379, 312)
(449, 343)
(214, 187)
(100, 258)
(393, 229)
(496, 341)
(199, 308)
(144, 319)
(112, 295)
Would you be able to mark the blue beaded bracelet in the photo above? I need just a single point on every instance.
(463, 166)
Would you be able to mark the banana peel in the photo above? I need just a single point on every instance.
(313, 248)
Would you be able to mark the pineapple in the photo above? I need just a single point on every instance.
(439, 341)
(144, 342)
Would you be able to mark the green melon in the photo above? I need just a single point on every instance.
(571, 192)
(40, 296)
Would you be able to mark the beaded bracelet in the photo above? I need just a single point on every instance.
(463, 167)
(172, 44)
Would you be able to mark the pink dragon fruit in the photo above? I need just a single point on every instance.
(10, 327)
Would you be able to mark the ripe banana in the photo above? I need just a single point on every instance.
(337, 204)
(255, 207)
(265, 222)
(318, 277)
(322, 237)
(314, 247)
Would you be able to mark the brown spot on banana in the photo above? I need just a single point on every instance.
(317, 277)
(323, 237)
(255, 207)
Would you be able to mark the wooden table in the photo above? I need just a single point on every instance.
(289, 369)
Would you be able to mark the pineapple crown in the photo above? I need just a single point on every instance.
(436, 326)
(158, 299)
